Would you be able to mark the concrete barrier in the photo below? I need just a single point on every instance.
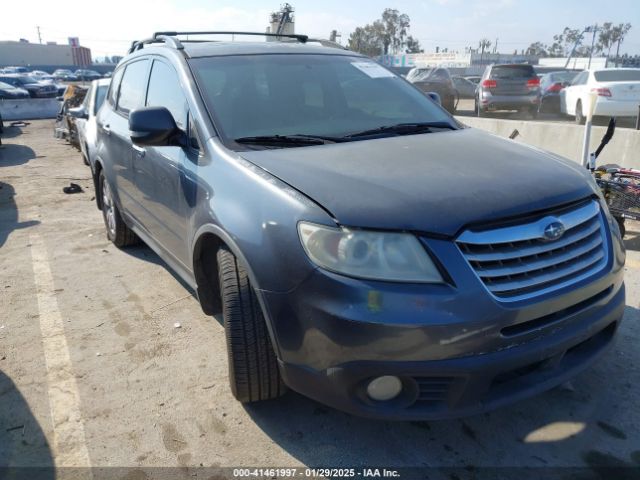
(29, 108)
(566, 139)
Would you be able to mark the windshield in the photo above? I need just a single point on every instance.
(330, 95)
(26, 80)
(618, 75)
(563, 77)
(100, 96)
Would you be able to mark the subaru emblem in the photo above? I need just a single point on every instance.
(553, 231)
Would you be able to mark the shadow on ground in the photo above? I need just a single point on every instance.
(12, 155)
(570, 431)
(24, 450)
(9, 213)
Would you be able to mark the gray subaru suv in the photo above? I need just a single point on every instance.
(363, 247)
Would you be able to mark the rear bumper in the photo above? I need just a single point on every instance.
(459, 387)
(508, 102)
(616, 108)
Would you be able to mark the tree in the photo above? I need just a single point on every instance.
(413, 45)
(396, 26)
(617, 36)
(605, 40)
(368, 40)
(388, 35)
(483, 44)
(538, 49)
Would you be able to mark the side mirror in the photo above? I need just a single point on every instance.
(79, 112)
(435, 97)
(153, 127)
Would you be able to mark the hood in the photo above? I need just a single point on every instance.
(435, 182)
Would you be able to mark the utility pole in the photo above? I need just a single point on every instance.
(39, 36)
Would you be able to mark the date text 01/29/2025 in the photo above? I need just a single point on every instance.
(315, 473)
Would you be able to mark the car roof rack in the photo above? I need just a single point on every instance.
(300, 38)
(157, 38)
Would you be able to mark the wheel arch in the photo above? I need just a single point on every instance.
(207, 240)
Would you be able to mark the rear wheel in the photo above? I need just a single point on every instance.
(533, 112)
(580, 118)
(253, 366)
(119, 234)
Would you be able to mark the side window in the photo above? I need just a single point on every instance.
(115, 86)
(134, 83)
(165, 91)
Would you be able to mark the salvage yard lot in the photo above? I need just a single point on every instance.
(144, 383)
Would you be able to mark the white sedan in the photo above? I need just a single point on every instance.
(617, 93)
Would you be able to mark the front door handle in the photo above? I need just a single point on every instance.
(139, 150)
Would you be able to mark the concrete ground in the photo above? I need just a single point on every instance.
(106, 360)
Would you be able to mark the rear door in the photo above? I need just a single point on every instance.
(511, 79)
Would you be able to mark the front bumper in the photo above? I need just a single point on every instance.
(449, 344)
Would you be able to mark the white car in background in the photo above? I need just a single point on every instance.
(617, 93)
(85, 116)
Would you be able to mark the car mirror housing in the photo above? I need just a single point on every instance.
(154, 127)
(435, 97)
(79, 112)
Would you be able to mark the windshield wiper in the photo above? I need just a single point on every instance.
(291, 140)
(403, 129)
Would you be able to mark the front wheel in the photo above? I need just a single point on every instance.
(253, 366)
(117, 231)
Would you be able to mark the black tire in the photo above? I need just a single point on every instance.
(621, 226)
(580, 118)
(533, 112)
(119, 234)
(253, 366)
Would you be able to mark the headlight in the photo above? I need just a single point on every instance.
(396, 257)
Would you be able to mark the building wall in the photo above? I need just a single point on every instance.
(27, 54)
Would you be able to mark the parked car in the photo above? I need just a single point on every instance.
(87, 75)
(364, 248)
(35, 88)
(474, 78)
(64, 75)
(508, 87)
(436, 80)
(465, 88)
(39, 74)
(15, 70)
(8, 91)
(86, 118)
(107, 75)
(617, 93)
(551, 84)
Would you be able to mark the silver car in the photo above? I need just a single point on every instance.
(508, 87)
(85, 116)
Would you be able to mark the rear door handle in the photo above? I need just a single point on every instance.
(139, 150)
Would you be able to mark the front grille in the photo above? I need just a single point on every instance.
(518, 261)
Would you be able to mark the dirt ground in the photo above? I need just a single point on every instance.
(106, 360)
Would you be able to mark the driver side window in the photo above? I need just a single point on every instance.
(165, 91)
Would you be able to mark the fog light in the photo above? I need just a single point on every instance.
(384, 388)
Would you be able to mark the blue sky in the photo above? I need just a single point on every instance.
(444, 23)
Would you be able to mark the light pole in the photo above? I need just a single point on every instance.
(593, 29)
